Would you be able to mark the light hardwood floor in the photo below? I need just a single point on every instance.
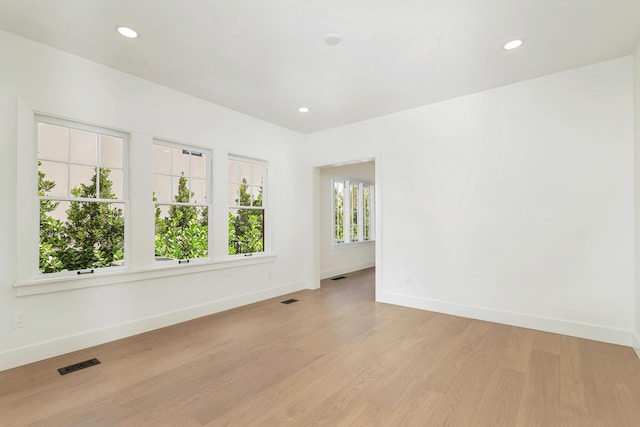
(334, 358)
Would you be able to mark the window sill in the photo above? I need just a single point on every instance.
(66, 283)
(338, 246)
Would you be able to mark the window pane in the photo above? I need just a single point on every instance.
(52, 142)
(59, 211)
(232, 194)
(180, 189)
(111, 151)
(162, 211)
(180, 162)
(181, 232)
(199, 190)
(161, 186)
(199, 166)
(82, 175)
(246, 231)
(256, 174)
(233, 171)
(161, 159)
(338, 203)
(116, 179)
(84, 147)
(81, 236)
(353, 198)
(245, 196)
(367, 215)
(245, 172)
(256, 195)
(57, 174)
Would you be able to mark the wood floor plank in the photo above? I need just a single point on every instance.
(540, 400)
(574, 409)
(500, 400)
(517, 351)
(460, 403)
(334, 358)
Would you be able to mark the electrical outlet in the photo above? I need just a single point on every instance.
(18, 319)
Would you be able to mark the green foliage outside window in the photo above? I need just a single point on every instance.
(92, 236)
(246, 227)
(354, 211)
(338, 220)
(184, 232)
(367, 213)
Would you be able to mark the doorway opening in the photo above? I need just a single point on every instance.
(345, 219)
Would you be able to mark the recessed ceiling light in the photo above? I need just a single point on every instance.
(128, 32)
(332, 39)
(513, 44)
(303, 109)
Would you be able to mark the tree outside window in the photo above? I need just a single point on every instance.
(246, 216)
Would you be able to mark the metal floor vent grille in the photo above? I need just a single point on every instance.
(78, 366)
(339, 278)
(289, 301)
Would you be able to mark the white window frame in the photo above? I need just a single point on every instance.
(72, 124)
(346, 213)
(264, 207)
(209, 197)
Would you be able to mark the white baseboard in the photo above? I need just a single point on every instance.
(636, 344)
(46, 349)
(346, 269)
(558, 326)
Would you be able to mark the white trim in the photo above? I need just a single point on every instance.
(47, 285)
(346, 269)
(46, 349)
(340, 246)
(636, 344)
(547, 324)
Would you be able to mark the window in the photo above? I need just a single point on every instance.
(82, 194)
(338, 211)
(354, 198)
(367, 211)
(181, 195)
(246, 192)
(353, 211)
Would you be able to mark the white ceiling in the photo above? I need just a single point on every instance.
(266, 58)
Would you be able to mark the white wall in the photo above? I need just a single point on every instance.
(61, 84)
(341, 259)
(513, 205)
(636, 341)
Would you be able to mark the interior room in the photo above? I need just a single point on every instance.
(172, 171)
